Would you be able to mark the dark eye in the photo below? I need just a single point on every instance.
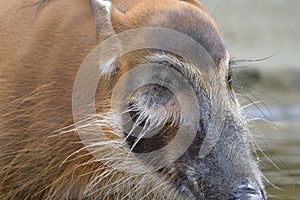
(229, 78)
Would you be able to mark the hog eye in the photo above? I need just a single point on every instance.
(229, 79)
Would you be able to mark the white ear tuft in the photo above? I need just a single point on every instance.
(106, 4)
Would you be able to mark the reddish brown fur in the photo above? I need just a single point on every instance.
(39, 60)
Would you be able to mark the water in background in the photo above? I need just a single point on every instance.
(276, 132)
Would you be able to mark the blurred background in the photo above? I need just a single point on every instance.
(270, 88)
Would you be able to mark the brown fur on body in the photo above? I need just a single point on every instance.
(40, 54)
(39, 60)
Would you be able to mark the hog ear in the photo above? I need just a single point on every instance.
(108, 19)
(103, 11)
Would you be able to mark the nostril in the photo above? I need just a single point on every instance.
(248, 190)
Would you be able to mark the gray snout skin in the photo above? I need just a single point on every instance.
(248, 190)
